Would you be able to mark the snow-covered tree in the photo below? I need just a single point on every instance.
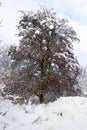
(82, 80)
(4, 65)
(44, 60)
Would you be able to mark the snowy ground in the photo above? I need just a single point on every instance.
(64, 114)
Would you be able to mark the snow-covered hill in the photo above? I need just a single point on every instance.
(68, 113)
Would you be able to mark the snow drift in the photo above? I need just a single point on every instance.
(68, 113)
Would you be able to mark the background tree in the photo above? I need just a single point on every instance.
(82, 81)
(5, 65)
(44, 61)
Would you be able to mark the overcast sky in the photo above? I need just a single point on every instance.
(74, 10)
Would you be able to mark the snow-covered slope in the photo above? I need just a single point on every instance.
(68, 113)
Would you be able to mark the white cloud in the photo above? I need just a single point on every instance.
(75, 8)
(10, 16)
(81, 47)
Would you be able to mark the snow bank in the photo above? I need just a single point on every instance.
(64, 114)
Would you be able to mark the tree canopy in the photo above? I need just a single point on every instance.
(44, 61)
